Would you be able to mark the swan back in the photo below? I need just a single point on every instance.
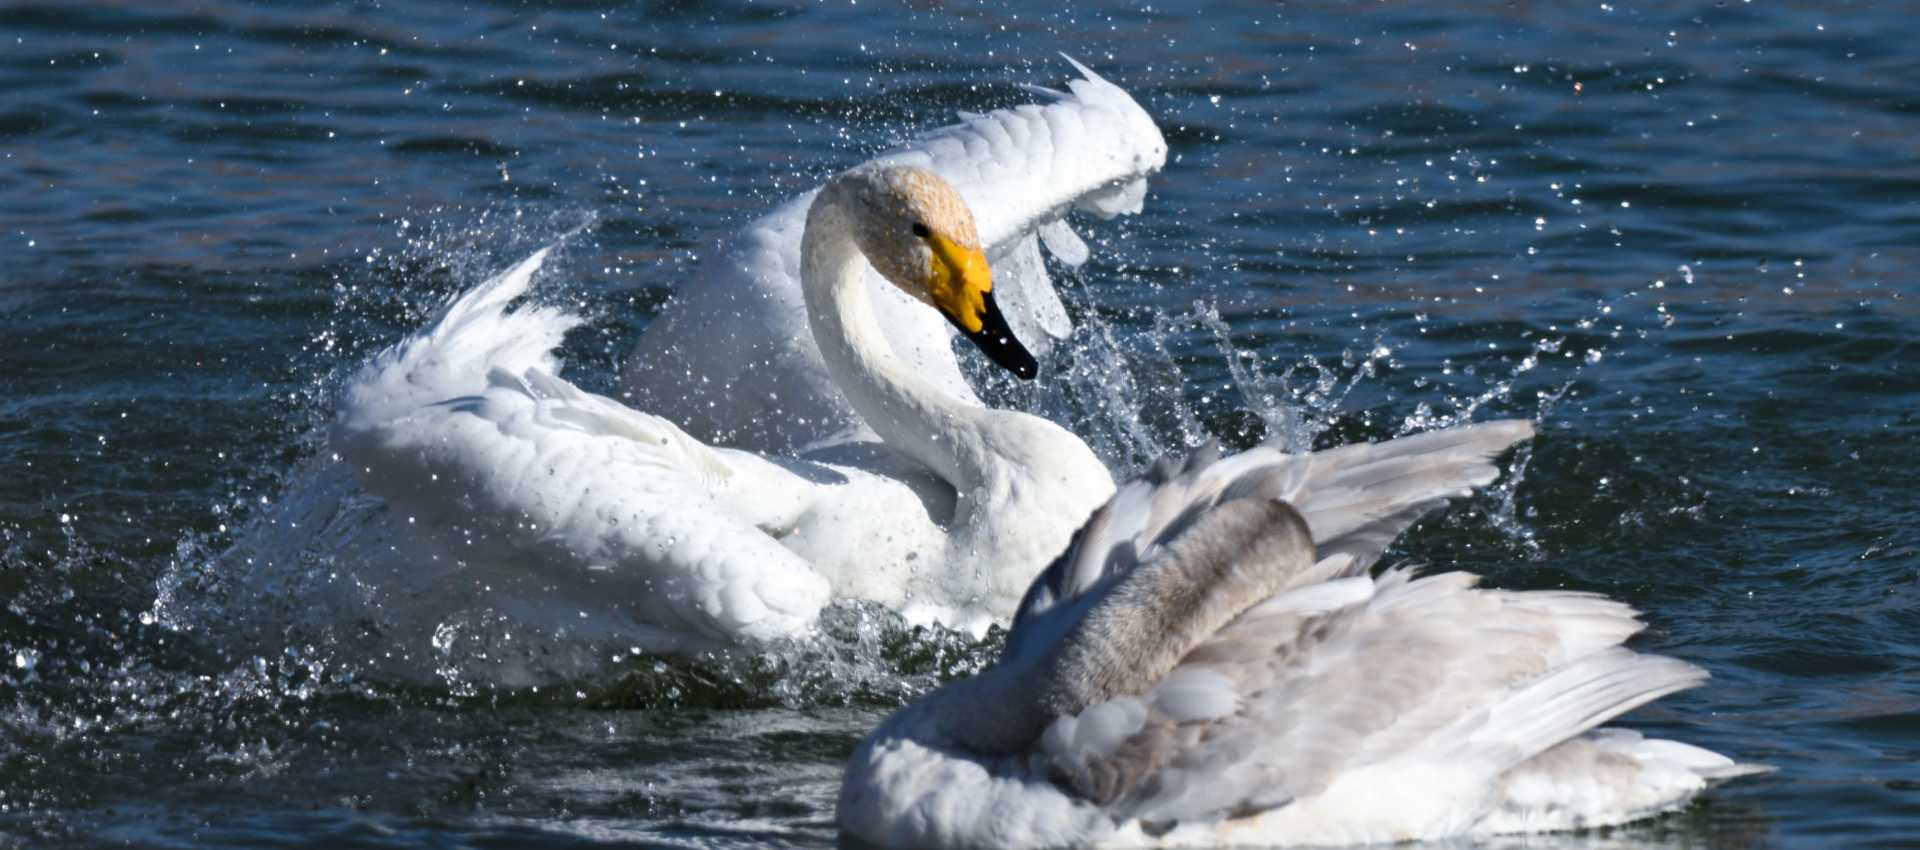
(731, 357)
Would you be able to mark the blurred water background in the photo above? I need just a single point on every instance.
(1681, 234)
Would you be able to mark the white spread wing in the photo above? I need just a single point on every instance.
(468, 430)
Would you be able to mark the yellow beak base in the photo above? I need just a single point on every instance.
(960, 284)
(962, 289)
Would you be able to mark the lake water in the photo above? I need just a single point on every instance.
(1682, 235)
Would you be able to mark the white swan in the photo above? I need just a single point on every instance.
(730, 358)
(1211, 664)
(579, 513)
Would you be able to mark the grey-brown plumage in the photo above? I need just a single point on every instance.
(1241, 550)
(1210, 662)
(1177, 558)
(1355, 500)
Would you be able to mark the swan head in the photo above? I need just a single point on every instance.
(918, 233)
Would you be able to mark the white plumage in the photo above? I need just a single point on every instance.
(574, 514)
(578, 513)
(731, 358)
(1208, 666)
(548, 494)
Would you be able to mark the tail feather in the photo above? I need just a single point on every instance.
(489, 298)
(1606, 777)
(1042, 91)
(1717, 775)
(1579, 697)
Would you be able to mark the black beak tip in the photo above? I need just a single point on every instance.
(997, 341)
(1023, 367)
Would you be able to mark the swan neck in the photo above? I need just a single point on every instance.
(910, 414)
(1238, 554)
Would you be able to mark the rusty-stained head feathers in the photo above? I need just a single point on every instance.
(918, 233)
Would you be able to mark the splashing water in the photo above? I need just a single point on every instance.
(279, 622)
(309, 571)
(224, 214)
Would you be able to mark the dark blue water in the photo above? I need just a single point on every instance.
(1682, 234)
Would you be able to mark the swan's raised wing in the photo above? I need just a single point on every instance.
(1356, 499)
(468, 430)
(1022, 170)
(732, 358)
(1404, 686)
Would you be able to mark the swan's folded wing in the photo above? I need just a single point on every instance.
(468, 430)
(1356, 500)
(1428, 678)
(1359, 498)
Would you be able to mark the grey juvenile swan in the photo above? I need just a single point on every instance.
(1210, 663)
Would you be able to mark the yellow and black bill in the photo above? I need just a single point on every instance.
(960, 285)
(997, 341)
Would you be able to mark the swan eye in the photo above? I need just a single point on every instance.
(921, 230)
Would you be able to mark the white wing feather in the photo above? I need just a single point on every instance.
(732, 359)
(613, 506)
